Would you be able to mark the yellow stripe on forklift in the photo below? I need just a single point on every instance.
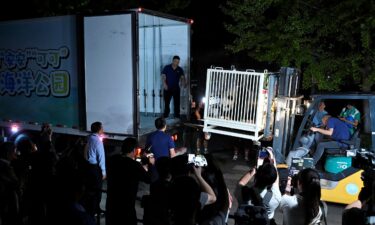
(344, 191)
(282, 166)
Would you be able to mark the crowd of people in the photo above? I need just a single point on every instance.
(39, 186)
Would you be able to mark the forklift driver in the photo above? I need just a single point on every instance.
(336, 130)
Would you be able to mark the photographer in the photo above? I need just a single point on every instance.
(189, 194)
(124, 174)
(363, 209)
(305, 207)
(265, 189)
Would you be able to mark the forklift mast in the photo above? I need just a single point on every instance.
(287, 105)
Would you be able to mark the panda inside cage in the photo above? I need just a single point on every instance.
(234, 96)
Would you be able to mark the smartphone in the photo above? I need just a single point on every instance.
(191, 158)
(197, 160)
(263, 154)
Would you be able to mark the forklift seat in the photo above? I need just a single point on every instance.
(353, 143)
(337, 159)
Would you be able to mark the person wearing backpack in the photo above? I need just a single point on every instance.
(305, 207)
(262, 197)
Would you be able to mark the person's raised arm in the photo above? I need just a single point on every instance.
(273, 161)
(205, 186)
(247, 177)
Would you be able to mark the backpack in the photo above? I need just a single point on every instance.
(256, 214)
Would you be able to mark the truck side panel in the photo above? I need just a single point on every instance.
(38, 71)
(109, 72)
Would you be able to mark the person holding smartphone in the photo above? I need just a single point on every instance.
(305, 206)
(124, 175)
(265, 185)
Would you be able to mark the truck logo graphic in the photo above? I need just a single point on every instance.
(18, 77)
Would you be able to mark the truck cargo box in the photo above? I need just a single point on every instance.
(70, 71)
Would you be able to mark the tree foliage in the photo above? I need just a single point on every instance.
(331, 41)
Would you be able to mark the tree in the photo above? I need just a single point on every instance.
(332, 42)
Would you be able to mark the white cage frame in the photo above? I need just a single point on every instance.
(236, 103)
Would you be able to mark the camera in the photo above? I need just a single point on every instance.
(197, 160)
(298, 164)
(143, 155)
(263, 156)
(365, 160)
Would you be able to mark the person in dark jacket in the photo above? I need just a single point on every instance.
(124, 175)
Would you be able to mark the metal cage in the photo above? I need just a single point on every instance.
(236, 103)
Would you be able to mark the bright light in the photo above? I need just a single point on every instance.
(101, 137)
(191, 21)
(138, 152)
(14, 128)
(140, 9)
(204, 100)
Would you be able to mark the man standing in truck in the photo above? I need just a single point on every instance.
(172, 76)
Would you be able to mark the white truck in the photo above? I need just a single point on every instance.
(70, 71)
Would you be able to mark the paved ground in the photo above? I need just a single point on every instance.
(233, 170)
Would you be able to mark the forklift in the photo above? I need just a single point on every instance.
(267, 107)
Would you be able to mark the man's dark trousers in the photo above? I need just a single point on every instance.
(175, 93)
